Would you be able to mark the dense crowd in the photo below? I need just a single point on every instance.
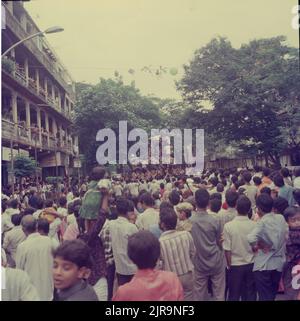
(154, 234)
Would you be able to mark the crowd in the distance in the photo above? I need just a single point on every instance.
(154, 234)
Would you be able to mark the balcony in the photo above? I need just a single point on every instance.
(13, 24)
(18, 74)
(20, 134)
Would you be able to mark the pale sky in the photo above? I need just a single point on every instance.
(102, 36)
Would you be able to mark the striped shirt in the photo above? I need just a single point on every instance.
(177, 251)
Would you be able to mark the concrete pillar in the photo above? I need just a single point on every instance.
(14, 105)
(37, 79)
(59, 100)
(26, 68)
(47, 128)
(46, 87)
(53, 93)
(39, 124)
(28, 123)
(23, 21)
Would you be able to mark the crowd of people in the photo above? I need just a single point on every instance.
(154, 234)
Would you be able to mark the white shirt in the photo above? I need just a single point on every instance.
(297, 182)
(120, 229)
(227, 215)
(18, 286)
(148, 218)
(250, 192)
(34, 256)
(235, 240)
(12, 239)
(36, 214)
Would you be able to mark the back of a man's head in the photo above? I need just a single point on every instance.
(202, 198)
(122, 206)
(143, 249)
(264, 203)
(231, 197)
(168, 218)
(243, 205)
(28, 224)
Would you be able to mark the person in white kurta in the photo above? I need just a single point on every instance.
(34, 256)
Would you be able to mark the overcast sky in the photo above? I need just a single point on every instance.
(102, 36)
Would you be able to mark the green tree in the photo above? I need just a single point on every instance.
(107, 103)
(247, 88)
(24, 166)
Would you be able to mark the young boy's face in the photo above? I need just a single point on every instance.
(66, 273)
(294, 221)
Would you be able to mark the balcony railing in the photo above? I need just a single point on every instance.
(20, 134)
(19, 74)
(13, 24)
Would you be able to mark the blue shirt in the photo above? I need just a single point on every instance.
(272, 231)
(286, 192)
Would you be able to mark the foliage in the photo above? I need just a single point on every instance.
(248, 88)
(24, 166)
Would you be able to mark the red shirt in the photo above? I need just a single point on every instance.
(151, 285)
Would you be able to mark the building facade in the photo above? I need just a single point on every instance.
(38, 97)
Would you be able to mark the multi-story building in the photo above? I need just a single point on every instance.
(38, 97)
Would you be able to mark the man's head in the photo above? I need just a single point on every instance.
(14, 204)
(247, 176)
(167, 219)
(62, 202)
(28, 224)
(16, 219)
(147, 200)
(184, 210)
(98, 173)
(292, 216)
(122, 206)
(278, 181)
(285, 172)
(72, 262)
(266, 171)
(296, 194)
(202, 198)
(143, 249)
(231, 197)
(43, 226)
(279, 205)
(257, 180)
(215, 205)
(243, 205)
(174, 198)
(264, 203)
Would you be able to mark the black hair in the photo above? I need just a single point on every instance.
(165, 204)
(39, 203)
(14, 203)
(266, 190)
(266, 171)
(75, 251)
(43, 225)
(97, 173)
(278, 181)
(280, 204)
(28, 211)
(70, 208)
(48, 203)
(174, 198)
(231, 198)
(147, 199)
(130, 206)
(169, 218)
(290, 212)
(215, 205)
(243, 205)
(285, 172)
(143, 249)
(296, 194)
(122, 205)
(257, 180)
(217, 196)
(220, 188)
(297, 172)
(16, 219)
(264, 202)
(202, 198)
(62, 201)
(76, 210)
(247, 176)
